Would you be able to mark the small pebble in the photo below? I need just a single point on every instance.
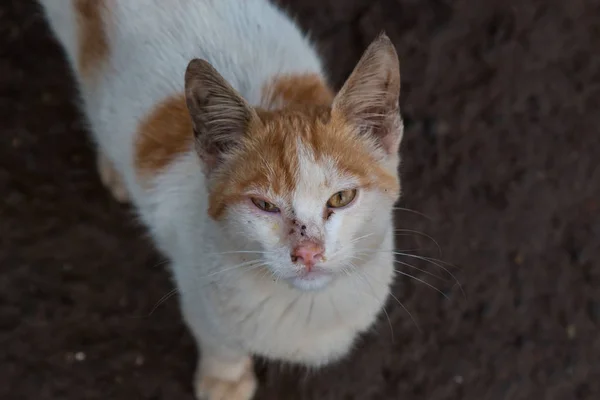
(569, 370)
(591, 206)
(541, 175)
(443, 128)
(47, 98)
(571, 332)
(518, 259)
(80, 356)
(139, 360)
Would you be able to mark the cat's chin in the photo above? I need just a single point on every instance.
(313, 281)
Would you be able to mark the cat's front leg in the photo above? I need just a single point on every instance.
(224, 377)
(224, 371)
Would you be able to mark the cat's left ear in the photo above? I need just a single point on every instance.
(220, 115)
(369, 98)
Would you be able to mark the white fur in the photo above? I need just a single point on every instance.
(234, 312)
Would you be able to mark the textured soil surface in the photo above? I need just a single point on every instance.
(502, 105)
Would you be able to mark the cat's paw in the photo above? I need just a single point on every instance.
(218, 388)
(111, 179)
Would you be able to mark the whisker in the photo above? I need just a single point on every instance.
(257, 309)
(239, 252)
(424, 235)
(162, 300)
(310, 310)
(359, 275)
(412, 211)
(237, 266)
(418, 269)
(287, 309)
(437, 263)
(423, 282)
(421, 270)
(418, 279)
(401, 305)
(431, 260)
(247, 268)
(412, 250)
(160, 263)
(335, 309)
(361, 237)
(265, 273)
(408, 312)
(336, 253)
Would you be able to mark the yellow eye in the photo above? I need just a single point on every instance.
(341, 199)
(265, 205)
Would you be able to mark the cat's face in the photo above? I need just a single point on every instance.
(306, 183)
(309, 188)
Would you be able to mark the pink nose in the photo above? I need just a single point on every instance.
(308, 254)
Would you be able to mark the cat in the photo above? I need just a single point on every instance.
(271, 194)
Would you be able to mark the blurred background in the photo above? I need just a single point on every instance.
(501, 100)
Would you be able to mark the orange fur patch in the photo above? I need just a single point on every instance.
(352, 155)
(164, 134)
(93, 41)
(267, 158)
(301, 89)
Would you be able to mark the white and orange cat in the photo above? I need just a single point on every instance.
(271, 195)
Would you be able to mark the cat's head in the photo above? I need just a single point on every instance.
(310, 187)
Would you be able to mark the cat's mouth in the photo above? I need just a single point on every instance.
(316, 279)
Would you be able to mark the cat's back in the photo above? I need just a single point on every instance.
(152, 41)
(247, 41)
(131, 55)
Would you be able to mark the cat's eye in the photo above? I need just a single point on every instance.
(341, 199)
(265, 205)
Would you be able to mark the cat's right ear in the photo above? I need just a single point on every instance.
(369, 98)
(220, 116)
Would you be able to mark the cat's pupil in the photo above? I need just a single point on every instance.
(341, 199)
(265, 205)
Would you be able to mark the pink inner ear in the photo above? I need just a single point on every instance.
(390, 143)
(369, 97)
(393, 135)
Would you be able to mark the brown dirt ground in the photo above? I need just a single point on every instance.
(501, 99)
